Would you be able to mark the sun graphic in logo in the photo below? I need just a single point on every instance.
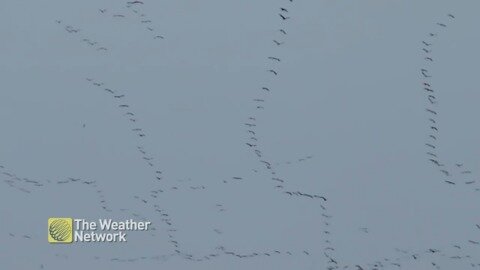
(60, 230)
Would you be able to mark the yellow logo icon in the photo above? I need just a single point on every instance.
(60, 230)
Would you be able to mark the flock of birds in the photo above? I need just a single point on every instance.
(254, 142)
(132, 6)
(160, 185)
(450, 173)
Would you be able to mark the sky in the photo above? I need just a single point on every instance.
(172, 112)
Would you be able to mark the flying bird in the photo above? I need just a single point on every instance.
(426, 44)
(430, 145)
(274, 58)
(278, 43)
(431, 111)
(283, 17)
(273, 71)
(445, 172)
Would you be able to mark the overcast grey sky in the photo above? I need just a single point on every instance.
(345, 118)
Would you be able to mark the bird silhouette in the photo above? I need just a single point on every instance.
(273, 71)
(277, 42)
(274, 58)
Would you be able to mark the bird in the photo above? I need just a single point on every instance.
(283, 9)
(273, 71)
(118, 15)
(274, 58)
(435, 162)
(428, 89)
(449, 182)
(425, 50)
(277, 42)
(102, 49)
(282, 31)
(445, 172)
(425, 73)
(123, 106)
(429, 59)
(426, 44)
(283, 17)
(451, 16)
(320, 197)
(430, 145)
(442, 24)
(109, 90)
(119, 96)
(431, 111)
(135, 2)
(157, 37)
(102, 10)
(433, 137)
(434, 128)
(265, 88)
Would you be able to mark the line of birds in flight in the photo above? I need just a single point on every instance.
(143, 20)
(253, 142)
(431, 109)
